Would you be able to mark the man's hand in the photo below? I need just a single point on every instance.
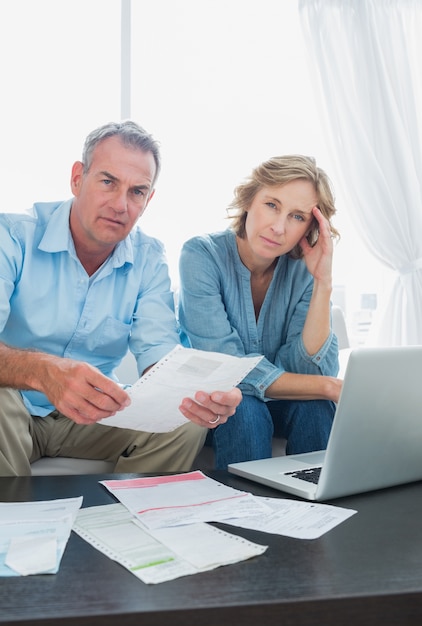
(82, 392)
(211, 410)
(76, 389)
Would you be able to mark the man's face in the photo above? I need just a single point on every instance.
(111, 196)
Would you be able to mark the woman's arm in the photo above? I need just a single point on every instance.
(317, 326)
(318, 260)
(304, 387)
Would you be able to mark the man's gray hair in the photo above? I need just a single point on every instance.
(130, 134)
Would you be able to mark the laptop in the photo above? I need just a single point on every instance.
(376, 437)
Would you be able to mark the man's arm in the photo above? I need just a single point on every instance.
(85, 395)
(76, 389)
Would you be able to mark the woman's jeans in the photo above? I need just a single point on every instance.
(247, 435)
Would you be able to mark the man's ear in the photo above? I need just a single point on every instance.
(150, 198)
(151, 195)
(76, 177)
(146, 204)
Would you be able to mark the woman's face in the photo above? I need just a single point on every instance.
(278, 218)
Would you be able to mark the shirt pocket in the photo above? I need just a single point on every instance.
(110, 339)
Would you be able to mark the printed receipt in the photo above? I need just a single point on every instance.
(157, 395)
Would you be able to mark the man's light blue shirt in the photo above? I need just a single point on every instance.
(217, 312)
(49, 303)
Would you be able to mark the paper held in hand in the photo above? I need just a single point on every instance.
(157, 395)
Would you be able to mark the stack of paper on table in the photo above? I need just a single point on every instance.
(159, 530)
(33, 535)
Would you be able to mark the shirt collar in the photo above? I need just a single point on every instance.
(57, 237)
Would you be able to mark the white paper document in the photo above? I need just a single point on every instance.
(294, 518)
(34, 535)
(172, 500)
(178, 499)
(165, 555)
(157, 395)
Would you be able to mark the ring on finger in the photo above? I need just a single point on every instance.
(217, 419)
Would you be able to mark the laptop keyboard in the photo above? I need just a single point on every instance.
(311, 475)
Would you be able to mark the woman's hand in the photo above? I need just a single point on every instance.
(211, 410)
(319, 258)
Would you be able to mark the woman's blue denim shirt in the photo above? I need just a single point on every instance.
(216, 312)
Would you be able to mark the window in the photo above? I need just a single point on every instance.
(60, 79)
(222, 85)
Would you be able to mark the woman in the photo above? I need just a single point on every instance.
(263, 286)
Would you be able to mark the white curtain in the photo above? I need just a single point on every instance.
(366, 58)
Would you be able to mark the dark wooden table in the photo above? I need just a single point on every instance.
(366, 571)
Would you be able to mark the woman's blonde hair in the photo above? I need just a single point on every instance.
(279, 171)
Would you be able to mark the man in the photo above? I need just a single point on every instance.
(79, 285)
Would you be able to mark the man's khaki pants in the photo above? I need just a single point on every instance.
(24, 438)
